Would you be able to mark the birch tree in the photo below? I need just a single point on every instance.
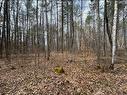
(47, 29)
(114, 29)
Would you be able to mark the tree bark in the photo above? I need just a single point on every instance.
(47, 28)
(114, 29)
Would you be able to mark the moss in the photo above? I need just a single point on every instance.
(58, 70)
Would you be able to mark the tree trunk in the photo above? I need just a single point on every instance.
(71, 28)
(124, 30)
(47, 28)
(97, 14)
(62, 39)
(57, 32)
(114, 29)
(107, 25)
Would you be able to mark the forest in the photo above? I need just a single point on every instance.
(63, 47)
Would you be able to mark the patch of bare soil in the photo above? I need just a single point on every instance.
(80, 77)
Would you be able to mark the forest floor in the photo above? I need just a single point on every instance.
(80, 77)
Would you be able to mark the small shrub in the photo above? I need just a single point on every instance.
(58, 70)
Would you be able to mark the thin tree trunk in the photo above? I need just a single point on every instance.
(104, 27)
(71, 28)
(114, 29)
(47, 28)
(107, 25)
(57, 32)
(124, 30)
(81, 29)
(98, 30)
(62, 39)
(67, 27)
